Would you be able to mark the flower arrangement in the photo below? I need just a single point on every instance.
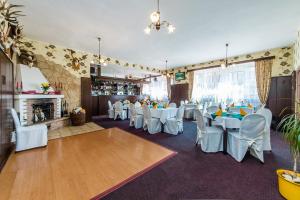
(155, 104)
(45, 87)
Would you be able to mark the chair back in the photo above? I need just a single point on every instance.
(200, 120)
(15, 117)
(252, 126)
(132, 110)
(146, 112)
(180, 113)
(267, 114)
(110, 105)
(212, 109)
(137, 104)
(172, 105)
(118, 106)
(181, 102)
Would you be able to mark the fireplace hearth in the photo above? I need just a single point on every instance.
(42, 111)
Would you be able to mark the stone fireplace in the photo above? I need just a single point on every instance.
(38, 108)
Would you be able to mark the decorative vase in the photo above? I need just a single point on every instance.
(287, 189)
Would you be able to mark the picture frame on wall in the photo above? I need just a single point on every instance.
(179, 76)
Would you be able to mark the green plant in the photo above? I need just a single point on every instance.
(290, 128)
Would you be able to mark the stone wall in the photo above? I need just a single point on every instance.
(56, 73)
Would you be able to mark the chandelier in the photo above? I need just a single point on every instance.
(167, 74)
(156, 23)
(99, 62)
(226, 64)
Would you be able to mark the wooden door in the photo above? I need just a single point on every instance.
(179, 92)
(6, 102)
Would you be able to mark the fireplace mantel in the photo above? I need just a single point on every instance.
(38, 96)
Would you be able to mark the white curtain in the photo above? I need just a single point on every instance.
(157, 89)
(233, 84)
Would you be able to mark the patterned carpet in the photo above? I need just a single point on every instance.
(192, 174)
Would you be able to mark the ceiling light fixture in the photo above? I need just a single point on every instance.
(226, 64)
(156, 23)
(100, 61)
(167, 74)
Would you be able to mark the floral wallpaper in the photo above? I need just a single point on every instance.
(297, 52)
(76, 62)
(282, 65)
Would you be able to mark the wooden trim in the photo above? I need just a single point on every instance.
(238, 62)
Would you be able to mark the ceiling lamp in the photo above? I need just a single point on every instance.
(167, 74)
(100, 61)
(156, 23)
(226, 64)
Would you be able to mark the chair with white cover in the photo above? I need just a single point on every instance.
(137, 104)
(119, 111)
(172, 105)
(153, 125)
(210, 137)
(181, 103)
(28, 137)
(175, 125)
(135, 119)
(268, 116)
(212, 109)
(250, 136)
(110, 111)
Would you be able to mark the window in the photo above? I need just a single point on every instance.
(233, 84)
(157, 89)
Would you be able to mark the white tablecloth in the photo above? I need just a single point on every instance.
(226, 122)
(161, 113)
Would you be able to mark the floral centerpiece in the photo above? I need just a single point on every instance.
(155, 104)
(45, 87)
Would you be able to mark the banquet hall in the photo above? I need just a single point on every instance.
(149, 99)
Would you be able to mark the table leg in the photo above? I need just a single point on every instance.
(225, 136)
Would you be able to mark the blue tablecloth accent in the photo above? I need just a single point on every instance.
(225, 114)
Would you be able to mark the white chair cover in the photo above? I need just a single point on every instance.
(210, 138)
(172, 105)
(153, 125)
(135, 119)
(181, 103)
(212, 109)
(268, 116)
(250, 136)
(110, 110)
(175, 125)
(137, 104)
(29, 137)
(119, 111)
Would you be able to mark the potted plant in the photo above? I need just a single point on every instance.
(289, 181)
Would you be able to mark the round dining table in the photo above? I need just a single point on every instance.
(161, 113)
(227, 121)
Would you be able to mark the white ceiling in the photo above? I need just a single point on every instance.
(202, 27)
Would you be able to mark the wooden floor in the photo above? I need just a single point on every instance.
(78, 167)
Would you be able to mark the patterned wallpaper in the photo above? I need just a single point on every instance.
(282, 65)
(76, 62)
(297, 52)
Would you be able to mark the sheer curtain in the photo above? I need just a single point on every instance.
(233, 84)
(157, 89)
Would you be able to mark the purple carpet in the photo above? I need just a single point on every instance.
(193, 174)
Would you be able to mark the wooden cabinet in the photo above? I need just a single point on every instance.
(6, 103)
(179, 92)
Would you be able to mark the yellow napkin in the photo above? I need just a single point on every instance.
(249, 105)
(232, 105)
(242, 112)
(219, 112)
